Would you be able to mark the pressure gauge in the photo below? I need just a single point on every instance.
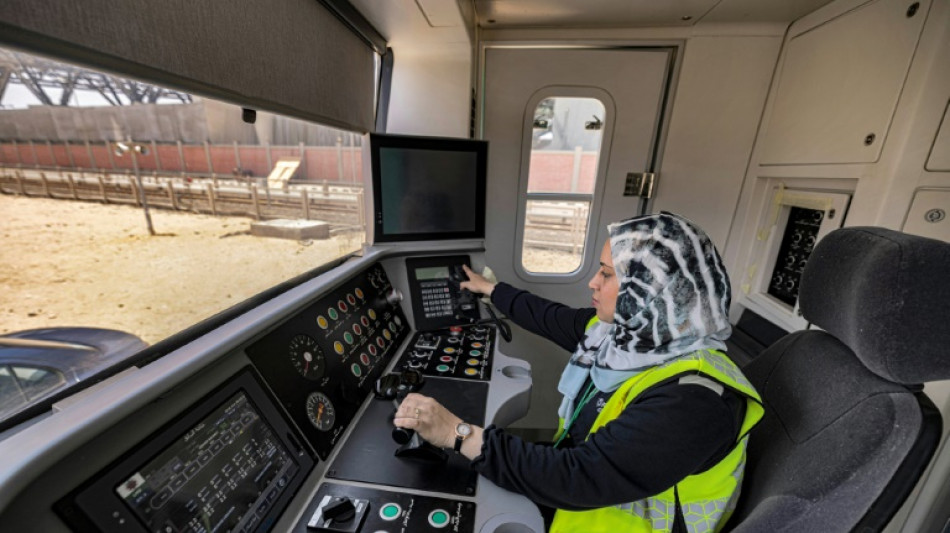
(307, 357)
(320, 411)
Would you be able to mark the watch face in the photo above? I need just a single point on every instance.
(463, 430)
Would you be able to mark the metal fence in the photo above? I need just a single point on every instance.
(339, 204)
(553, 226)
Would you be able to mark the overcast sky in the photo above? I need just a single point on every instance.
(17, 96)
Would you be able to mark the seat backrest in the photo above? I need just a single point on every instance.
(847, 432)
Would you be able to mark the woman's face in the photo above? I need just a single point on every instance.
(605, 287)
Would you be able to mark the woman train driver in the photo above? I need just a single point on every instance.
(654, 416)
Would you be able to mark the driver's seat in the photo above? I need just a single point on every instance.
(847, 430)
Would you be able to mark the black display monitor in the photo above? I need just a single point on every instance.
(428, 188)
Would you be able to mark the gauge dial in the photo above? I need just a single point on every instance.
(307, 357)
(320, 411)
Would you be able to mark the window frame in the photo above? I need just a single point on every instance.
(23, 383)
(595, 198)
(25, 400)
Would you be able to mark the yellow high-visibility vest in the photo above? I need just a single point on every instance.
(706, 499)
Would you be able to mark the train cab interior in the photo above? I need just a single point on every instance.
(810, 139)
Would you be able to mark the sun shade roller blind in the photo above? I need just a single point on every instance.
(287, 56)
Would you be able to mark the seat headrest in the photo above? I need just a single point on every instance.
(886, 295)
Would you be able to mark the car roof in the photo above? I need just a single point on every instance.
(75, 351)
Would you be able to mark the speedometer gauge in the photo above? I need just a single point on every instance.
(320, 411)
(307, 357)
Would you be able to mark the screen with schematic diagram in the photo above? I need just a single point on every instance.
(230, 462)
(193, 484)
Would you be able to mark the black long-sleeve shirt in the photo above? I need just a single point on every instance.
(671, 431)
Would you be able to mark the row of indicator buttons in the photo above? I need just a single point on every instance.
(470, 362)
(340, 349)
(331, 312)
(456, 340)
(438, 518)
(356, 369)
(450, 351)
(443, 368)
(422, 354)
(387, 335)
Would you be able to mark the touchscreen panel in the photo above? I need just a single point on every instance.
(229, 462)
(219, 476)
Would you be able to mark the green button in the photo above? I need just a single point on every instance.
(357, 371)
(476, 353)
(438, 518)
(442, 368)
(389, 511)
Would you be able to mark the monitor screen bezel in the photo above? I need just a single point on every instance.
(478, 147)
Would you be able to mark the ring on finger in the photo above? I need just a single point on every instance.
(418, 412)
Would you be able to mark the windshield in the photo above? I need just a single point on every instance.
(131, 212)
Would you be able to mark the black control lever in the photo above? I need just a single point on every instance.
(413, 447)
(467, 303)
(395, 387)
(421, 450)
(339, 510)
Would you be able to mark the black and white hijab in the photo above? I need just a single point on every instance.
(673, 299)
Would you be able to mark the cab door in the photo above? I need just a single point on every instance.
(570, 131)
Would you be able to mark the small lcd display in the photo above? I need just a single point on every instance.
(224, 474)
(430, 273)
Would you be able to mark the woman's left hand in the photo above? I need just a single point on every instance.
(428, 418)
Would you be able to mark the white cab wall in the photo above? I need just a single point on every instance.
(431, 94)
(431, 81)
(716, 111)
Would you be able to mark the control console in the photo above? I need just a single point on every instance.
(237, 458)
(323, 363)
(381, 510)
(457, 351)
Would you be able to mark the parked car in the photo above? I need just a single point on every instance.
(38, 362)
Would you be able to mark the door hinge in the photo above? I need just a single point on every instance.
(639, 184)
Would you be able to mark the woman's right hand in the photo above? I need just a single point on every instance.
(476, 282)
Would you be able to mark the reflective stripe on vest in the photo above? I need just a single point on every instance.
(707, 499)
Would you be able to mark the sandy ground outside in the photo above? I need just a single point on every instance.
(67, 263)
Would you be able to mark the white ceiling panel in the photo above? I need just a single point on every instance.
(588, 13)
(762, 10)
(636, 13)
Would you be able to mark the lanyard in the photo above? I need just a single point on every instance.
(588, 394)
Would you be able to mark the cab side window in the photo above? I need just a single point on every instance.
(565, 151)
